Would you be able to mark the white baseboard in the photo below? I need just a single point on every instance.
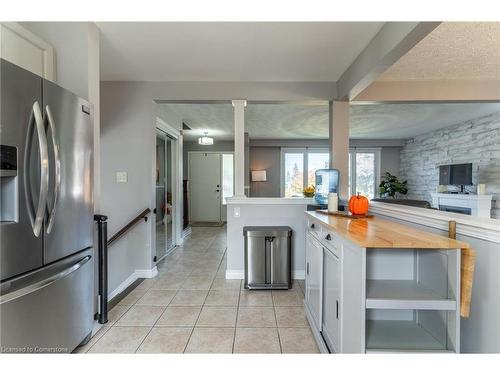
(138, 274)
(235, 274)
(146, 274)
(240, 275)
(299, 275)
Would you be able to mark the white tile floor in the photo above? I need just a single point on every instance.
(191, 308)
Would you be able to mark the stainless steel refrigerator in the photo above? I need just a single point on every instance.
(46, 228)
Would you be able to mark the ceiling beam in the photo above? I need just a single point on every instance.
(431, 91)
(392, 41)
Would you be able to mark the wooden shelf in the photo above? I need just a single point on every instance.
(405, 294)
(400, 335)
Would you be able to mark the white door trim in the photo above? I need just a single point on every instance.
(49, 62)
(176, 179)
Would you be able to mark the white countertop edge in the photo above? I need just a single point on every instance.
(269, 201)
(482, 228)
(471, 197)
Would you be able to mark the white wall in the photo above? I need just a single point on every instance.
(474, 141)
(71, 44)
(256, 214)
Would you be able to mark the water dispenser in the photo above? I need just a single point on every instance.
(8, 181)
(327, 181)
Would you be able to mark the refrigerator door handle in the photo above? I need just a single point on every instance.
(37, 217)
(44, 283)
(57, 173)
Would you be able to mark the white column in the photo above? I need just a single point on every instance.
(239, 147)
(339, 143)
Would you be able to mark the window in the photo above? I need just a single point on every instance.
(364, 172)
(295, 162)
(227, 176)
(294, 174)
(316, 160)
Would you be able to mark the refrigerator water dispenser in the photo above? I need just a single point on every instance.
(8, 183)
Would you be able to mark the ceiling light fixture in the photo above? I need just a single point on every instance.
(206, 140)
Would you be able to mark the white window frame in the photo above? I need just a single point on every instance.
(352, 157)
(305, 151)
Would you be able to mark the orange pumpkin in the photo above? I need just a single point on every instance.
(358, 205)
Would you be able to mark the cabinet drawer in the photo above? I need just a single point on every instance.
(314, 229)
(331, 241)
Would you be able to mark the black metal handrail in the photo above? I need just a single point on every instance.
(143, 215)
(103, 243)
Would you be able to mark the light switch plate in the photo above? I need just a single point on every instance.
(236, 212)
(121, 177)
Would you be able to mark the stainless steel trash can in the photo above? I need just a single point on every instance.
(268, 252)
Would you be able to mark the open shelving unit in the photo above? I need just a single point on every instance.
(412, 299)
(405, 294)
(387, 335)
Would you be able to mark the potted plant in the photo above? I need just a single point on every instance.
(309, 191)
(390, 186)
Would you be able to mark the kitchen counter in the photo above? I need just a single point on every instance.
(374, 232)
(373, 285)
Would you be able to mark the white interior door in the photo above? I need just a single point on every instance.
(205, 187)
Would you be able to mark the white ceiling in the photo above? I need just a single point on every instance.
(231, 51)
(307, 121)
(454, 50)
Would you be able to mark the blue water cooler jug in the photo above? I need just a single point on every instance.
(327, 181)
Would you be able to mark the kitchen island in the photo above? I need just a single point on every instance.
(377, 286)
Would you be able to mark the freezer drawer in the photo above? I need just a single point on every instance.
(267, 257)
(49, 310)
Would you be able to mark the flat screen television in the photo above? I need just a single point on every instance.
(455, 174)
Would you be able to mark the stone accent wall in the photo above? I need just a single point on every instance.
(476, 141)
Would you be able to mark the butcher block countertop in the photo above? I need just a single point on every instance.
(374, 232)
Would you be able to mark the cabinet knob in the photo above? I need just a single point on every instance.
(328, 237)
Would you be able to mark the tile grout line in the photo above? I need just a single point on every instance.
(277, 325)
(236, 322)
(190, 269)
(194, 326)
(111, 326)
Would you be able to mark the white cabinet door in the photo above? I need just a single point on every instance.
(314, 277)
(25, 49)
(331, 300)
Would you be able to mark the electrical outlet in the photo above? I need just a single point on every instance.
(121, 177)
(236, 212)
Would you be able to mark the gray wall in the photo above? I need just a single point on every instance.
(269, 159)
(128, 143)
(476, 141)
(266, 154)
(390, 160)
